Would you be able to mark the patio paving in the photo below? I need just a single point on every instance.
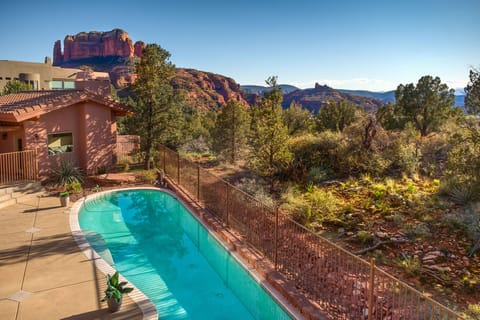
(43, 273)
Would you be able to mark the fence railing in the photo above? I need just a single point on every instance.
(18, 166)
(127, 147)
(342, 284)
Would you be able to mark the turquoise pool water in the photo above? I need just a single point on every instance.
(154, 242)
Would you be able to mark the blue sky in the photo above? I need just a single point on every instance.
(373, 45)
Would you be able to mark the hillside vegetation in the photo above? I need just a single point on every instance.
(399, 182)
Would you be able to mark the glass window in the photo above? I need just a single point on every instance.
(69, 84)
(60, 143)
(56, 84)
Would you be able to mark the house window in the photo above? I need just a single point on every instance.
(69, 84)
(60, 143)
(56, 84)
(62, 84)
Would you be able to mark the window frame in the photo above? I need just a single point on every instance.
(69, 148)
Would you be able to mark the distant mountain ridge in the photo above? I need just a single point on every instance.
(387, 96)
(313, 99)
(254, 89)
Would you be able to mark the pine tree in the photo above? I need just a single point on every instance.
(231, 130)
(157, 114)
(269, 133)
(472, 93)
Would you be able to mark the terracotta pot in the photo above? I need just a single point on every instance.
(114, 305)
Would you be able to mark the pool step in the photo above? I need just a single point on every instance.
(13, 194)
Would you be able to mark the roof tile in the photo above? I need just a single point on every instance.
(28, 101)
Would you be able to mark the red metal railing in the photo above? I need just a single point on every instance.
(342, 284)
(18, 166)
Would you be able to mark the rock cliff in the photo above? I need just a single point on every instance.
(206, 90)
(85, 45)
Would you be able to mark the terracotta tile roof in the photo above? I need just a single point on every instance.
(17, 107)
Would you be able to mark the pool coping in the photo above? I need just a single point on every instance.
(148, 309)
(146, 306)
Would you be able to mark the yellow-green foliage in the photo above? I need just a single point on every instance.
(472, 312)
(74, 186)
(146, 176)
(315, 207)
(412, 266)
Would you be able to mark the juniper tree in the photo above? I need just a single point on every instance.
(427, 105)
(472, 93)
(299, 121)
(269, 133)
(231, 130)
(336, 116)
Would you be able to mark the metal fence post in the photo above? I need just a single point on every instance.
(227, 203)
(198, 183)
(178, 169)
(36, 164)
(164, 159)
(275, 240)
(370, 293)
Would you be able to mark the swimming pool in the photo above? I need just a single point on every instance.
(161, 248)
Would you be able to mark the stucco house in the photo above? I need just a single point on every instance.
(75, 125)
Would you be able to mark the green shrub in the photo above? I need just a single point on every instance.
(418, 231)
(365, 237)
(102, 170)
(472, 312)
(257, 188)
(318, 174)
(412, 266)
(318, 206)
(146, 176)
(75, 186)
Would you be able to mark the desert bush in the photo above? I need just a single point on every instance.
(417, 231)
(464, 158)
(466, 220)
(194, 148)
(472, 312)
(318, 174)
(313, 208)
(258, 188)
(147, 176)
(311, 151)
(411, 265)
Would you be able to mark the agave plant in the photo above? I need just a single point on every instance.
(115, 289)
(67, 174)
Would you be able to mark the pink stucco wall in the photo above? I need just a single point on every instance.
(8, 140)
(93, 129)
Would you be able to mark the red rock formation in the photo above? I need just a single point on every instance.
(57, 52)
(138, 48)
(94, 44)
(205, 90)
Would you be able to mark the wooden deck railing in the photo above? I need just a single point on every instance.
(18, 166)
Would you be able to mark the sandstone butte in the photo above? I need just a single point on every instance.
(86, 45)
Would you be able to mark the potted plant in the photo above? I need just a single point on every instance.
(114, 292)
(64, 198)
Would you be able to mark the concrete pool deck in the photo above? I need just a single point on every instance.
(43, 273)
